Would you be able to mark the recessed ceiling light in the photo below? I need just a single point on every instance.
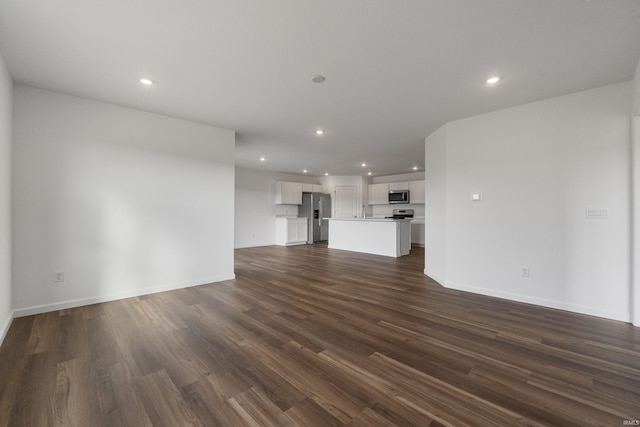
(326, 173)
(415, 168)
(318, 79)
(147, 82)
(493, 80)
(364, 165)
(304, 171)
(262, 159)
(319, 132)
(368, 173)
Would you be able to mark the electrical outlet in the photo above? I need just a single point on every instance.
(59, 277)
(525, 271)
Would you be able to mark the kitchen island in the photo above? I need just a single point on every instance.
(378, 236)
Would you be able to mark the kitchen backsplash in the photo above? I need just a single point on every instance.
(387, 210)
(285, 210)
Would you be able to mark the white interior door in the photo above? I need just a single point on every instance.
(345, 201)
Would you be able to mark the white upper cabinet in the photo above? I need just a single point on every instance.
(378, 194)
(398, 186)
(312, 188)
(288, 193)
(291, 231)
(416, 192)
(417, 233)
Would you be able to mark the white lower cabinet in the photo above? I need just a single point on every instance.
(291, 231)
(417, 233)
(378, 236)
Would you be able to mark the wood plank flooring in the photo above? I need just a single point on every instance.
(308, 336)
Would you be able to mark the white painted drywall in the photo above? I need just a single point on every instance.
(403, 177)
(255, 223)
(538, 167)
(6, 90)
(435, 177)
(123, 201)
(635, 164)
(636, 91)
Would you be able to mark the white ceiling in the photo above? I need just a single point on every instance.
(396, 70)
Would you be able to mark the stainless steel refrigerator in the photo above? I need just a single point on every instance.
(316, 207)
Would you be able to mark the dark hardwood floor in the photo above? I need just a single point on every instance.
(316, 337)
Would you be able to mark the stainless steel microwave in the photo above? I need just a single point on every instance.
(398, 197)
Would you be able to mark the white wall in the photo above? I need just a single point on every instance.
(411, 176)
(124, 202)
(635, 284)
(538, 167)
(6, 89)
(636, 91)
(435, 179)
(636, 197)
(255, 211)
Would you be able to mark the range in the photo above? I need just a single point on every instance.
(401, 214)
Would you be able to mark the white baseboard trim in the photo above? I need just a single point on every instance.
(257, 245)
(6, 326)
(590, 311)
(45, 308)
(434, 277)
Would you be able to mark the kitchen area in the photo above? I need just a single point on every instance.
(386, 218)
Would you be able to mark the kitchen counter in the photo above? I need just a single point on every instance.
(372, 219)
(378, 236)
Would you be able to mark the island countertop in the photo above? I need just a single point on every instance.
(371, 219)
